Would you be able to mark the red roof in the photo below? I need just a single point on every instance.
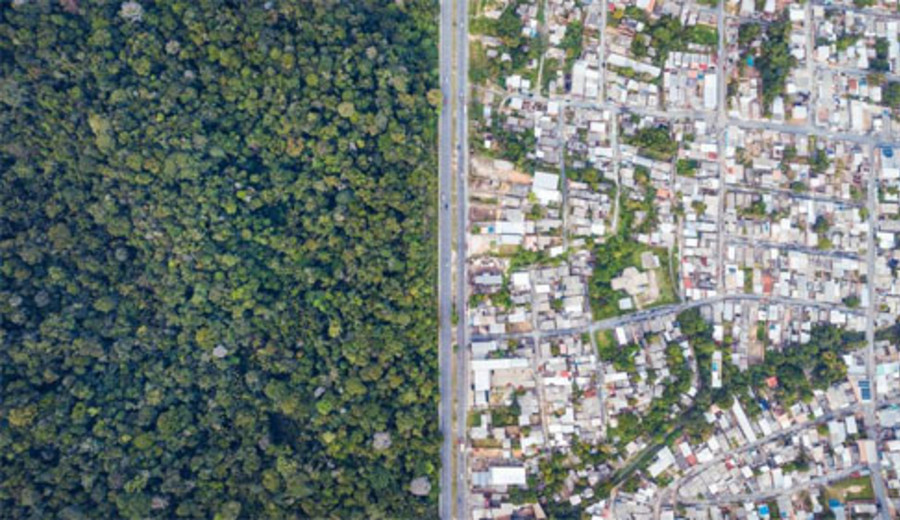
(767, 283)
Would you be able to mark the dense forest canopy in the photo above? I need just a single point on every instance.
(216, 259)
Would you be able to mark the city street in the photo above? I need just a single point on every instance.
(664, 310)
(729, 129)
(764, 495)
(812, 251)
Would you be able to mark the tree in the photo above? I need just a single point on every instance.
(852, 301)
(686, 167)
(692, 323)
(655, 142)
(748, 32)
(638, 47)
(217, 259)
(891, 94)
(819, 161)
(880, 63)
(572, 42)
(821, 224)
(703, 35)
(775, 60)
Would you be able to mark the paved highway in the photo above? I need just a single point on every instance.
(462, 198)
(446, 150)
(445, 304)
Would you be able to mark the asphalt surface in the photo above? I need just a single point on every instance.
(815, 197)
(872, 426)
(849, 71)
(812, 251)
(459, 45)
(721, 142)
(601, 54)
(670, 495)
(763, 495)
(462, 198)
(712, 116)
(665, 310)
(564, 184)
(445, 304)
(883, 14)
(617, 159)
(810, 45)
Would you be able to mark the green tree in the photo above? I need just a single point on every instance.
(217, 259)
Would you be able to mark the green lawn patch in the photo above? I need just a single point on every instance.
(605, 340)
(851, 489)
(612, 258)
